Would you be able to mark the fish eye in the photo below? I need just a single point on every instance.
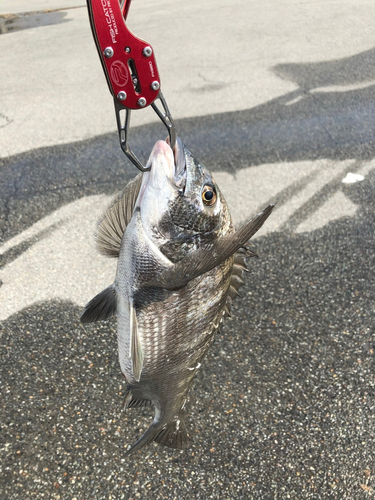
(209, 195)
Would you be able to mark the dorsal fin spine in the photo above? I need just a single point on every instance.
(113, 222)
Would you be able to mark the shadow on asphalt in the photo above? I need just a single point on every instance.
(294, 127)
(353, 70)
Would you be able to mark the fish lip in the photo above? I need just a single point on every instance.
(180, 170)
(165, 163)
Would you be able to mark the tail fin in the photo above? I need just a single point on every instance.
(147, 437)
(173, 434)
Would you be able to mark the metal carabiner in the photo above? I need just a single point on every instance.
(130, 68)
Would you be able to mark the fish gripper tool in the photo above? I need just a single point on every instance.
(130, 68)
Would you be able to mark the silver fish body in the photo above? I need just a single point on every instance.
(180, 263)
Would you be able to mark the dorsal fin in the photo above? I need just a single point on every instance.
(239, 267)
(112, 224)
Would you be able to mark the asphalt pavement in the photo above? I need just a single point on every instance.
(277, 98)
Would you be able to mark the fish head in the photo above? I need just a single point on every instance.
(179, 198)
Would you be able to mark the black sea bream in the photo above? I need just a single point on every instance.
(180, 263)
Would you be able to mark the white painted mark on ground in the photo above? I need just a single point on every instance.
(294, 101)
(343, 88)
(352, 178)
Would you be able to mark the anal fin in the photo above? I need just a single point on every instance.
(131, 402)
(139, 403)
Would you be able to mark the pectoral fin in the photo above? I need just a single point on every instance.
(209, 256)
(136, 351)
(102, 306)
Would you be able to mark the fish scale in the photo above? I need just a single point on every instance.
(180, 263)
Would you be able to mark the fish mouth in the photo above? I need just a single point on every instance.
(166, 165)
(180, 171)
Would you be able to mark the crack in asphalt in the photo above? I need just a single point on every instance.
(7, 120)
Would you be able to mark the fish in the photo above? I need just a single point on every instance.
(180, 265)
